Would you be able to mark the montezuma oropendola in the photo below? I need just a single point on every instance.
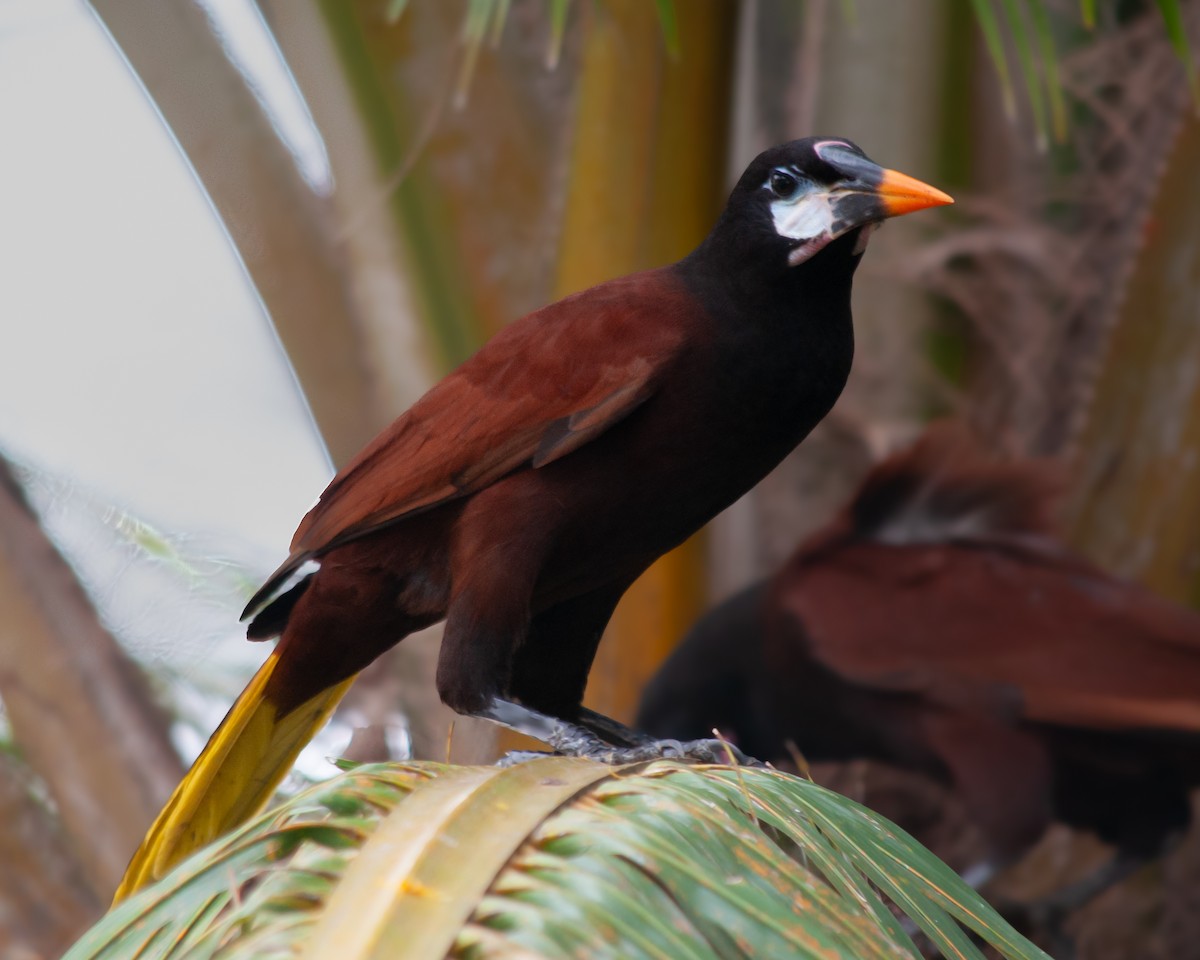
(522, 495)
(938, 625)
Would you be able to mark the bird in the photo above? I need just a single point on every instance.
(940, 625)
(522, 495)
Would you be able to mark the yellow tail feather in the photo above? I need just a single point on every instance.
(240, 767)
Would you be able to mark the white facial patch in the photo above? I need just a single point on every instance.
(804, 218)
(807, 218)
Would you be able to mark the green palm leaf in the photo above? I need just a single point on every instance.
(1172, 14)
(556, 858)
(1033, 39)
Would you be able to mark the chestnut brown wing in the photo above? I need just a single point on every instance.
(540, 389)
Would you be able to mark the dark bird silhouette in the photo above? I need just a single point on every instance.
(523, 494)
(937, 625)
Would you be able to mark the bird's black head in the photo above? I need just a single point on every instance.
(794, 200)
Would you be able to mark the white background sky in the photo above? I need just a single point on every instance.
(137, 367)
(136, 355)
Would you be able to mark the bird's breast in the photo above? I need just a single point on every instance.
(719, 421)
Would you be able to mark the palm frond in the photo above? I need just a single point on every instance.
(670, 25)
(556, 858)
(1172, 14)
(486, 18)
(1032, 37)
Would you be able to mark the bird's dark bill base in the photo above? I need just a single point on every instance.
(577, 740)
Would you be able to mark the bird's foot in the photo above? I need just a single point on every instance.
(581, 739)
(704, 751)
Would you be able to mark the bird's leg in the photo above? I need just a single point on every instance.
(576, 740)
(550, 675)
(611, 730)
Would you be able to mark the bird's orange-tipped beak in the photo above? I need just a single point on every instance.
(902, 194)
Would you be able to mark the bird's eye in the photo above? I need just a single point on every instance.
(784, 185)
